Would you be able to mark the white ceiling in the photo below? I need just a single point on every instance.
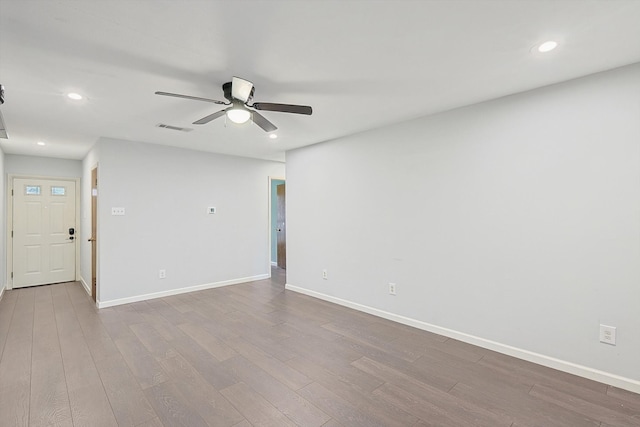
(359, 64)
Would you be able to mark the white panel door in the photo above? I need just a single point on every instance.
(44, 245)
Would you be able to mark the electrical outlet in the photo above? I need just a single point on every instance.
(392, 288)
(608, 334)
(324, 274)
(162, 274)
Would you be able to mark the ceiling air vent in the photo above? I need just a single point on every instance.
(162, 125)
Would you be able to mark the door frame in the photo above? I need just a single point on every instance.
(9, 224)
(281, 229)
(271, 237)
(93, 224)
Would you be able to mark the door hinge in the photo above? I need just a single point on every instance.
(12, 234)
(12, 192)
(12, 274)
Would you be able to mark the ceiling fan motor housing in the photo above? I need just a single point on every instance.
(226, 89)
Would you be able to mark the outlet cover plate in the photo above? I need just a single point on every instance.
(392, 288)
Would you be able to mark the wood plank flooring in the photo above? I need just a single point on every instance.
(257, 355)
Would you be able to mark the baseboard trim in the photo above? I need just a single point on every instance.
(85, 285)
(137, 298)
(540, 359)
(2, 291)
(274, 264)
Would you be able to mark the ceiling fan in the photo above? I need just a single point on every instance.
(239, 93)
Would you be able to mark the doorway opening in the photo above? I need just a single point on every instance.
(278, 234)
(94, 232)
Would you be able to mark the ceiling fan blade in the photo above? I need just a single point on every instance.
(283, 108)
(195, 98)
(241, 89)
(210, 117)
(261, 121)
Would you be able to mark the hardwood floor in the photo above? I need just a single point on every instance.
(257, 355)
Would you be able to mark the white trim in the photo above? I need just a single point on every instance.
(86, 287)
(274, 264)
(128, 300)
(540, 359)
(2, 291)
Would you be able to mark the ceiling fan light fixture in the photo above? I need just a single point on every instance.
(238, 115)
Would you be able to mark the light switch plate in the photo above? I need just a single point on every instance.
(608, 334)
(117, 211)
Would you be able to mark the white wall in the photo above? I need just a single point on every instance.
(514, 224)
(42, 166)
(165, 192)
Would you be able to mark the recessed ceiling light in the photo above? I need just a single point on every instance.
(74, 96)
(41, 143)
(547, 46)
(273, 136)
